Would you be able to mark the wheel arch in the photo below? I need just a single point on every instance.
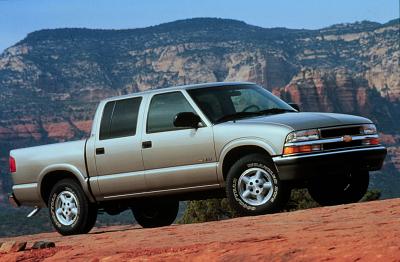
(237, 149)
(54, 173)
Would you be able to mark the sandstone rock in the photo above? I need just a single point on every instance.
(12, 246)
(366, 231)
(324, 90)
(43, 244)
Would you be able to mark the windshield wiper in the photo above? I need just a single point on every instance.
(274, 111)
(239, 115)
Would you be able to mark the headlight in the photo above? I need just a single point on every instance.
(368, 129)
(304, 135)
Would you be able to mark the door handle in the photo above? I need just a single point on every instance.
(100, 151)
(146, 144)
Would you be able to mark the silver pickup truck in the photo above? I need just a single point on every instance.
(148, 151)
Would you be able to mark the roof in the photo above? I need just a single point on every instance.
(177, 88)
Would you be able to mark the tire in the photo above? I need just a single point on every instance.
(344, 188)
(65, 197)
(156, 213)
(253, 186)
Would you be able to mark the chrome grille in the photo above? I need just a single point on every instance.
(340, 131)
(337, 132)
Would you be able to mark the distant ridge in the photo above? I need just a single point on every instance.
(194, 24)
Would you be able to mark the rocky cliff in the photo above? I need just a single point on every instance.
(51, 81)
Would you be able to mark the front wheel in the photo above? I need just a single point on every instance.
(253, 186)
(71, 212)
(342, 188)
(156, 213)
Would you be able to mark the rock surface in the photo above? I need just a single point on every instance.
(43, 244)
(363, 231)
(12, 246)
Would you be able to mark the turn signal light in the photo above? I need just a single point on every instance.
(371, 141)
(12, 164)
(301, 149)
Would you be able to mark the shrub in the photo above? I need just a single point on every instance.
(219, 209)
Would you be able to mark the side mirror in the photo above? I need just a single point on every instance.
(295, 106)
(187, 119)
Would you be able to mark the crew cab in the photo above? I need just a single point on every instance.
(147, 151)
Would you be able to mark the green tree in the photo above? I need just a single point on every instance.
(206, 210)
(300, 199)
(371, 195)
(219, 209)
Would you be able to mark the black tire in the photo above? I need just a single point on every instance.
(91, 219)
(336, 189)
(156, 213)
(279, 193)
(85, 212)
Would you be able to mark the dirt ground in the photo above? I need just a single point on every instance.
(363, 231)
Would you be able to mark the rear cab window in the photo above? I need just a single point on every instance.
(120, 118)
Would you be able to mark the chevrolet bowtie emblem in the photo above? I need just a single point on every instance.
(347, 138)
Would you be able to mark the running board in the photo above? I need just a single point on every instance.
(33, 212)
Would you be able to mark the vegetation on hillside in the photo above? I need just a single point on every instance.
(218, 209)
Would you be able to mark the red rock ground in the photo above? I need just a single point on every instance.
(364, 231)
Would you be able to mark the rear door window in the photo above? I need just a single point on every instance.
(120, 118)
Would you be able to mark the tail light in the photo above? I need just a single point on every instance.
(12, 164)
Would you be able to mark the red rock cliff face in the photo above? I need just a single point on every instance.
(327, 91)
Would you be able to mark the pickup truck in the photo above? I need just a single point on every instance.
(147, 151)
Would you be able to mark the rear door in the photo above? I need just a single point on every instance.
(118, 155)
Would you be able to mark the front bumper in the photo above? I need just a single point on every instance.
(13, 201)
(309, 165)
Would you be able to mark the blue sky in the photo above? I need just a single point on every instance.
(19, 17)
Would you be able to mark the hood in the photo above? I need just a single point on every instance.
(307, 120)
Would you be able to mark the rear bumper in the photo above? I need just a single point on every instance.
(26, 195)
(309, 165)
(13, 200)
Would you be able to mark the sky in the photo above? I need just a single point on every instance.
(20, 17)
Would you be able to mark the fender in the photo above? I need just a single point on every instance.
(246, 141)
(83, 180)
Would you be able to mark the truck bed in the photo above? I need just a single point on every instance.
(33, 163)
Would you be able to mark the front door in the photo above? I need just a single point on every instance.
(176, 157)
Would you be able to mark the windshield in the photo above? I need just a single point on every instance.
(224, 103)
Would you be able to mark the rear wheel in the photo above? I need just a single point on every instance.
(343, 188)
(156, 213)
(70, 210)
(253, 186)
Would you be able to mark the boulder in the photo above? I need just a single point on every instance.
(43, 244)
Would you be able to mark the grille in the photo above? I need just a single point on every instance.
(337, 145)
(341, 131)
